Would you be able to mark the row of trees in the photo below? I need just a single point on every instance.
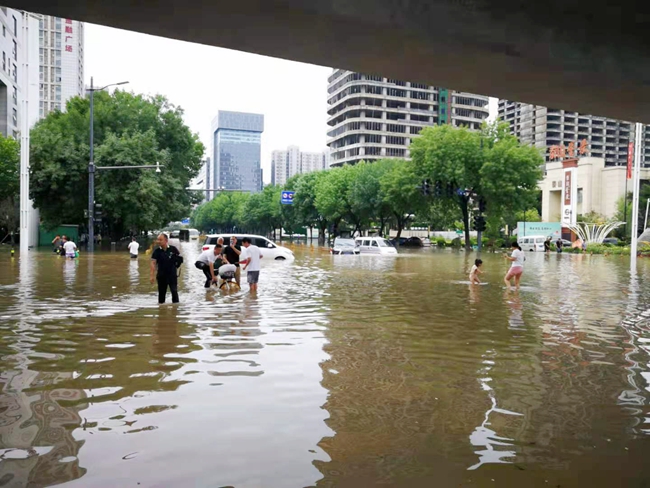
(464, 166)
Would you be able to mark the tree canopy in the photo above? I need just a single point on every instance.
(129, 130)
(489, 166)
(9, 184)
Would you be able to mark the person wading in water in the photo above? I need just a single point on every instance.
(163, 265)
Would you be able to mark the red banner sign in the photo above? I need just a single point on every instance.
(630, 159)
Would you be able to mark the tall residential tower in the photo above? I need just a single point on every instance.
(547, 127)
(372, 117)
(293, 161)
(61, 62)
(236, 151)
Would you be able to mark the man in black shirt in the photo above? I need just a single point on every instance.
(232, 253)
(164, 259)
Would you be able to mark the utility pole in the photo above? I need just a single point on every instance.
(91, 165)
(91, 174)
(638, 139)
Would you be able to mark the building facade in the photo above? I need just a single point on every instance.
(545, 127)
(61, 62)
(293, 161)
(372, 117)
(236, 151)
(202, 179)
(599, 188)
(11, 45)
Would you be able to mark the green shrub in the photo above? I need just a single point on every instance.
(441, 242)
(456, 243)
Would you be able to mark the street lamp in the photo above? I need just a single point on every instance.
(91, 165)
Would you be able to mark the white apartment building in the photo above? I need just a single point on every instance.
(61, 62)
(547, 127)
(292, 161)
(10, 76)
(372, 117)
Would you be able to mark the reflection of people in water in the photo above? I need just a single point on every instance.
(166, 333)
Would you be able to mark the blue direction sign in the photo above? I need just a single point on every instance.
(287, 197)
(185, 221)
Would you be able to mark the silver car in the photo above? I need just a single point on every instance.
(344, 246)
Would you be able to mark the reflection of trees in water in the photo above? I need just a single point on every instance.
(36, 441)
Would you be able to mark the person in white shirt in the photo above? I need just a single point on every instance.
(133, 248)
(69, 248)
(210, 261)
(251, 255)
(517, 268)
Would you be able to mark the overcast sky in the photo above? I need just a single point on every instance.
(204, 79)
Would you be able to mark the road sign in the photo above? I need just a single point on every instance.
(287, 197)
(185, 221)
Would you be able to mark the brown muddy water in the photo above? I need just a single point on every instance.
(342, 371)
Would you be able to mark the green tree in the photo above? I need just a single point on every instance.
(451, 158)
(226, 212)
(366, 193)
(333, 197)
(129, 130)
(401, 194)
(491, 166)
(304, 210)
(9, 185)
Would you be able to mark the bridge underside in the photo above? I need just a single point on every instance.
(584, 56)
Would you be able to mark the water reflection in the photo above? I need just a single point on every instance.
(341, 371)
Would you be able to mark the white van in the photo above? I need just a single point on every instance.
(532, 243)
(269, 249)
(375, 245)
(194, 234)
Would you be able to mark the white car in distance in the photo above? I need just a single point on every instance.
(269, 249)
(375, 245)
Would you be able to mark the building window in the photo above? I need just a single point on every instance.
(4, 31)
(15, 51)
(15, 26)
(15, 116)
(579, 195)
(15, 95)
(4, 61)
(15, 74)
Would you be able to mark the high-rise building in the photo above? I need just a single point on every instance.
(236, 151)
(285, 164)
(61, 62)
(10, 78)
(372, 117)
(202, 179)
(546, 127)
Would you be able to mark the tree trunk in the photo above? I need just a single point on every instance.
(322, 227)
(463, 207)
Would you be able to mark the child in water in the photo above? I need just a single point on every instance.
(473, 274)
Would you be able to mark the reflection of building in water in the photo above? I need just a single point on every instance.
(496, 449)
(36, 443)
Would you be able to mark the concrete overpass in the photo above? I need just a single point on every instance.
(580, 55)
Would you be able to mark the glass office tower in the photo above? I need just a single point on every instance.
(237, 139)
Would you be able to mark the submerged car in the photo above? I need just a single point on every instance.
(344, 246)
(269, 249)
(375, 245)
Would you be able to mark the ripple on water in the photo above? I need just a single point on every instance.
(350, 372)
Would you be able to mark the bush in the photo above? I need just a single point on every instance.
(441, 242)
(456, 243)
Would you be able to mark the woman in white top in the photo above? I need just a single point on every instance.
(517, 268)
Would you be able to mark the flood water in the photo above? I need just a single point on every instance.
(342, 371)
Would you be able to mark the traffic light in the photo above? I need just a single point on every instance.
(481, 205)
(98, 213)
(479, 223)
(426, 188)
(437, 191)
